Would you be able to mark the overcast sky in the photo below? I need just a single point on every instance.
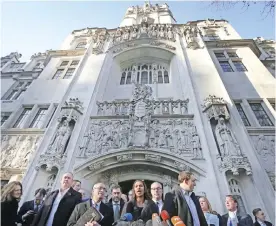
(36, 26)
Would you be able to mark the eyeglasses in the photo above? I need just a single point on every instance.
(100, 188)
(156, 189)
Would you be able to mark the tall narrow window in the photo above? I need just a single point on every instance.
(138, 77)
(237, 193)
(55, 108)
(128, 81)
(39, 118)
(166, 77)
(69, 73)
(64, 63)
(242, 114)
(4, 118)
(58, 74)
(160, 77)
(13, 95)
(22, 118)
(123, 78)
(260, 114)
(239, 66)
(150, 77)
(75, 62)
(226, 67)
(144, 77)
(81, 45)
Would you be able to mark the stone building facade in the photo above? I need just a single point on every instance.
(145, 100)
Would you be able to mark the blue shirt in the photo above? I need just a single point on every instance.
(192, 207)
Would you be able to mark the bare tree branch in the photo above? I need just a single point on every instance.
(268, 7)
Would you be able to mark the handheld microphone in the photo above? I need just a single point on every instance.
(126, 217)
(156, 220)
(166, 217)
(177, 221)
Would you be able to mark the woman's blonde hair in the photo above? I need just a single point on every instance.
(208, 203)
(8, 189)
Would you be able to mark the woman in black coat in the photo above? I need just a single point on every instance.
(139, 201)
(10, 197)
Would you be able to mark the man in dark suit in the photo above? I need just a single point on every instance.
(156, 204)
(182, 201)
(29, 209)
(98, 194)
(116, 202)
(58, 205)
(260, 218)
(233, 218)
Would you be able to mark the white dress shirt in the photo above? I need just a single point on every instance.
(55, 206)
(232, 219)
(262, 223)
(160, 204)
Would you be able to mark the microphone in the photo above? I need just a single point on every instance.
(156, 220)
(166, 217)
(126, 217)
(177, 221)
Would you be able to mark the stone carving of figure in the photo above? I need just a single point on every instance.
(144, 29)
(60, 139)
(115, 139)
(126, 34)
(227, 144)
(170, 33)
(8, 155)
(196, 145)
(161, 33)
(100, 109)
(177, 140)
(153, 32)
(118, 35)
(88, 141)
(188, 36)
(184, 108)
(123, 133)
(5, 142)
(26, 147)
(262, 146)
(134, 33)
(162, 139)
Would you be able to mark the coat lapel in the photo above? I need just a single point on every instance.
(67, 194)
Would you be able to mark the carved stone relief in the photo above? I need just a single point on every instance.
(100, 36)
(17, 150)
(265, 149)
(215, 107)
(144, 30)
(182, 166)
(192, 36)
(96, 166)
(124, 158)
(153, 158)
(140, 130)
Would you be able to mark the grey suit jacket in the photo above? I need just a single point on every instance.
(244, 220)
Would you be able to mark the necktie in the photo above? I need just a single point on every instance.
(117, 212)
(230, 224)
(36, 208)
(157, 204)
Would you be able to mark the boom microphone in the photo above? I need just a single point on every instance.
(126, 217)
(156, 220)
(166, 217)
(177, 221)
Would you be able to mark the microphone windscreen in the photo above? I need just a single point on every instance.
(128, 217)
(177, 221)
(138, 223)
(154, 215)
(123, 223)
(149, 223)
(165, 215)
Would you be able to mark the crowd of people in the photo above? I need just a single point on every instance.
(68, 206)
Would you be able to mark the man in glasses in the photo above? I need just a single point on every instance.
(156, 204)
(96, 201)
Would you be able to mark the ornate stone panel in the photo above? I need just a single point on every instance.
(265, 149)
(142, 128)
(17, 150)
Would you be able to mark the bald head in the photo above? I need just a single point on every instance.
(66, 180)
(156, 191)
(98, 192)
